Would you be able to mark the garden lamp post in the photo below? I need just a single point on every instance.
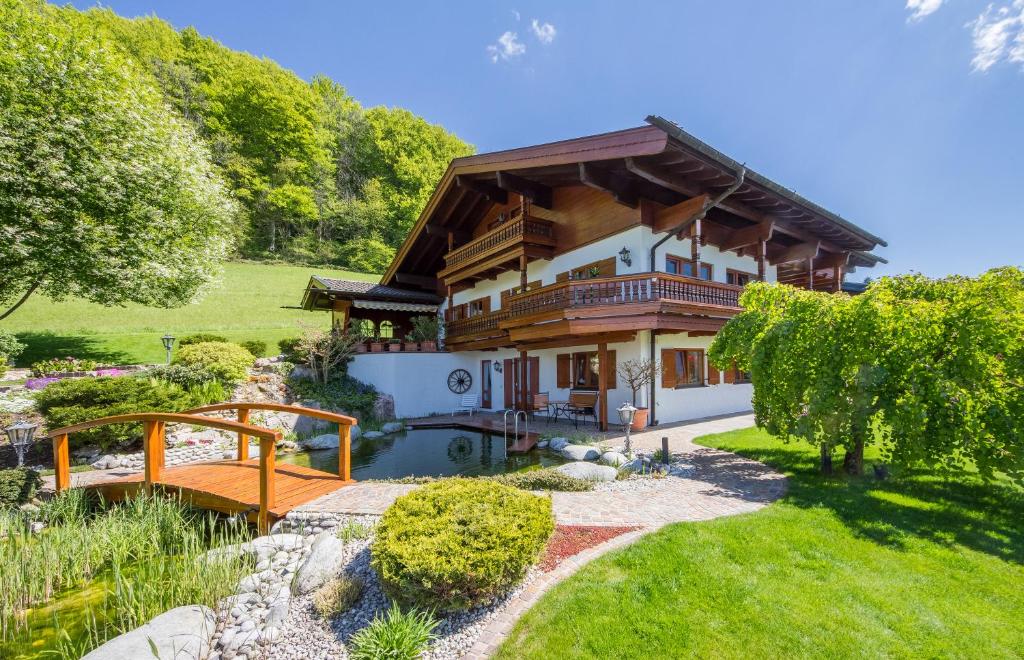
(168, 341)
(626, 413)
(20, 437)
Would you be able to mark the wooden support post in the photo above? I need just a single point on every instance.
(602, 383)
(761, 250)
(837, 278)
(695, 248)
(152, 449)
(267, 494)
(524, 382)
(664, 450)
(345, 452)
(61, 462)
(243, 439)
(522, 273)
(810, 273)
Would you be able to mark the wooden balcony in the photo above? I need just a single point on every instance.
(623, 295)
(500, 249)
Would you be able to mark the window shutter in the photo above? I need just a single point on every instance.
(487, 305)
(606, 267)
(611, 370)
(562, 277)
(712, 374)
(668, 368)
(730, 373)
(508, 373)
(564, 379)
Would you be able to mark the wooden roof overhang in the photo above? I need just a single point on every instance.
(321, 294)
(658, 163)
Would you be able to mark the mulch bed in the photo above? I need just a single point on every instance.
(569, 540)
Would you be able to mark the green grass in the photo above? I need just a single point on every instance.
(915, 566)
(250, 302)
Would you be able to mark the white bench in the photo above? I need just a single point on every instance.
(470, 402)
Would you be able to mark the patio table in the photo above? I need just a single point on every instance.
(558, 409)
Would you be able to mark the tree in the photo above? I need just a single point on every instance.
(104, 192)
(326, 351)
(638, 374)
(931, 369)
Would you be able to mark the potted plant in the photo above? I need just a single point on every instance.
(377, 345)
(395, 345)
(638, 374)
(424, 331)
(409, 345)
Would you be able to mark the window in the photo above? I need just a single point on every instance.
(387, 330)
(738, 277)
(682, 367)
(679, 266)
(585, 370)
(736, 375)
(479, 306)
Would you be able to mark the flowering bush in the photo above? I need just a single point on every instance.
(110, 372)
(39, 383)
(62, 366)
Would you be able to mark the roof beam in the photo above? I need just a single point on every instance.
(687, 187)
(421, 281)
(537, 193)
(457, 234)
(798, 252)
(488, 190)
(741, 238)
(829, 260)
(616, 186)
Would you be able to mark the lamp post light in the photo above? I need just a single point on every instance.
(20, 437)
(168, 341)
(626, 413)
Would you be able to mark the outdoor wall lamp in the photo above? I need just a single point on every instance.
(625, 256)
(20, 437)
(497, 366)
(168, 341)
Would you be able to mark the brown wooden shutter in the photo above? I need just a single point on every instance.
(564, 362)
(668, 368)
(730, 373)
(562, 277)
(606, 267)
(611, 370)
(712, 374)
(508, 372)
(487, 305)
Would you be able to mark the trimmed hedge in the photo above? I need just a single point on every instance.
(71, 401)
(201, 338)
(187, 376)
(228, 362)
(18, 486)
(459, 543)
(544, 479)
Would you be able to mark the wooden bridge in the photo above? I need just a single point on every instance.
(257, 488)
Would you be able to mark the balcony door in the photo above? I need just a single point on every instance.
(485, 383)
(513, 387)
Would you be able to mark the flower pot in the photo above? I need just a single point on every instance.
(361, 347)
(411, 346)
(376, 347)
(428, 346)
(639, 420)
(395, 347)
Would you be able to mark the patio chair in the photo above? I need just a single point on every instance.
(470, 402)
(582, 404)
(539, 402)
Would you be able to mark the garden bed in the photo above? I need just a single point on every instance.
(570, 540)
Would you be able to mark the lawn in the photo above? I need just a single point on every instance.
(914, 566)
(251, 301)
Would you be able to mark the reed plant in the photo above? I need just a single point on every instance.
(148, 555)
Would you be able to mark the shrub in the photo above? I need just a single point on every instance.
(255, 346)
(68, 402)
(228, 362)
(458, 543)
(340, 393)
(10, 347)
(337, 596)
(3, 366)
(424, 328)
(187, 376)
(201, 338)
(290, 350)
(62, 366)
(18, 486)
(327, 352)
(544, 479)
(399, 635)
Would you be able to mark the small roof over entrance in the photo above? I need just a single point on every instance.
(323, 292)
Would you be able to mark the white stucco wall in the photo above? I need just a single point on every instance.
(417, 381)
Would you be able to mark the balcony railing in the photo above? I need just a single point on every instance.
(510, 233)
(621, 290)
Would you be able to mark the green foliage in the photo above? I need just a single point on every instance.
(257, 347)
(351, 530)
(327, 352)
(18, 486)
(337, 596)
(339, 393)
(228, 362)
(397, 635)
(186, 376)
(367, 254)
(71, 401)
(458, 543)
(931, 369)
(290, 350)
(10, 347)
(62, 366)
(543, 479)
(424, 328)
(201, 338)
(3, 367)
(106, 192)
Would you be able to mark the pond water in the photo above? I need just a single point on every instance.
(426, 453)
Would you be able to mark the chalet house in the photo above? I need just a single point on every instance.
(553, 264)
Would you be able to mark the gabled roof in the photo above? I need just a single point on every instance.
(659, 162)
(322, 288)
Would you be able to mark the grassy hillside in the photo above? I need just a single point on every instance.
(250, 302)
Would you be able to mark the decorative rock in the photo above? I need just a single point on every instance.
(184, 632)
(324, 562)
(542, 444)
(614, 458)
(373, 434)
(268, 545)
(384, 407)
(106, 462)
(325, 441)
(392, 427)
(557, 444)
(588, 471)
(580, 452)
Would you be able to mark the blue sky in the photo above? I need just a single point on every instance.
(904, 117)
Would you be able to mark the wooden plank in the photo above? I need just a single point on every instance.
(151, 435)
(277, 407)
(267, 483)
(243, 439)
(178, 418)
(538, 193)
(602, 383)
(345, 452)
(61, 462)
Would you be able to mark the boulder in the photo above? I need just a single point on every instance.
(325, 560)
(588, 471)
(556, 444)
(384, 407)
(580, 453)
(325, 441)
(614, 458)
(267, 546)
(543, 444)
(392, 427)
(309, 425)
(106, 462)
(373, 434)
(184, 632)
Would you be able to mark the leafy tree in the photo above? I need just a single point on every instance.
(932, 369)
(104, 192)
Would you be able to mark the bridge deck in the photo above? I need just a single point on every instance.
(233, 486)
